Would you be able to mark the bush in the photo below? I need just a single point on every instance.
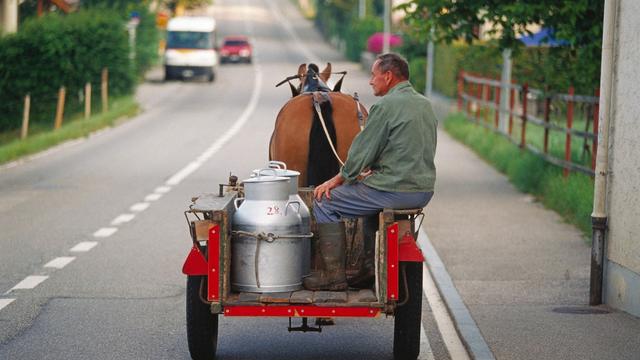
(55, 51)
(418, 73)
(358, 34)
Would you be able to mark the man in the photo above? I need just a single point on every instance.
(392, 157)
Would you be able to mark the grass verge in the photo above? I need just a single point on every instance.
(78, 127)
(571, 197)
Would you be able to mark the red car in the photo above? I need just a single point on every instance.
(235, 49)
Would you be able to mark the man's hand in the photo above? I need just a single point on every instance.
(325, 187)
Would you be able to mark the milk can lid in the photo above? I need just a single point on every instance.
(262, 179)
(275, 172)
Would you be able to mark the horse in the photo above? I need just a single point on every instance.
(314, 113)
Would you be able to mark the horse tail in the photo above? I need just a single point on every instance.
(322, 164)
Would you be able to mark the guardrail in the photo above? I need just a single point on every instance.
(551, 114)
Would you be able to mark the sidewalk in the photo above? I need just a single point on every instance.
(522, 273)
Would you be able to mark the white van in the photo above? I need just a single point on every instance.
(191, 48)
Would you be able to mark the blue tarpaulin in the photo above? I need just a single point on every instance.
(544, 37)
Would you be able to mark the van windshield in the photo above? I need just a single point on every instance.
(189, 40)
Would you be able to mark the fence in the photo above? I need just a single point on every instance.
(547, 124)
(61, 100)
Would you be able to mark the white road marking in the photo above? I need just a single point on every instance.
(60, 262)
(217, 145)
(29, 282)
(183, 173)
(84, 246)
(5, 302)
(105, 232)
(152, 197)
(139, 207)
(441, 314)
(162, 189)
(425, 348)
(122, 218)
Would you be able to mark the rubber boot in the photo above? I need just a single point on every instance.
(331, 243)
(365, 277)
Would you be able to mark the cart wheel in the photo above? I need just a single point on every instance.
(408, 317)
(202, 325)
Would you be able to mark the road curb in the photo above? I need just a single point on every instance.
(465, 325)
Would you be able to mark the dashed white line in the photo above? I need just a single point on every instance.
(84, 246)
(5, 302)
(152, 197)
(29, 282)
(162, 189)
(122, 218)
(60, 262)
(139, 207)
(105, 232)
(184, 172)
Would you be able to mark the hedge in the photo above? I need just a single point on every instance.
(55, 51)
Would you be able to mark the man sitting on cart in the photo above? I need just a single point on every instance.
(390, 165)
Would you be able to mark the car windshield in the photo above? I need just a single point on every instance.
(189, 40)
(235, 43)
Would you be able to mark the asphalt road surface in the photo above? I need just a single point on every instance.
(93, 236)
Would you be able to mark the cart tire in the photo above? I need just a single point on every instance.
(202, 325)
(408, 317)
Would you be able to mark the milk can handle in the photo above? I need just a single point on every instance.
(235, 202)
(277, 164)
(290, 202)
(274, 171)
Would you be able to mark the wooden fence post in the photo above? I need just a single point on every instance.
(547, 109)
(567, 144)
(87, 100)
(25, 117)
(512, 99)
(496, 94)
(479, 90)
(523, 129)
(460, 89)
(105, 90)
(486, 88)
(60, 108)
(470, 87)
(596, 123)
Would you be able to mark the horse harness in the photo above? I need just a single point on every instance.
(320, 97)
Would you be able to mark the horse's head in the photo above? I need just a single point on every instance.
(311, 79)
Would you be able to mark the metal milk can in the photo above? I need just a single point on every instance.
(305, 227)
(267, 247)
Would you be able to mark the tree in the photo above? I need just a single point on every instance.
(578, 22)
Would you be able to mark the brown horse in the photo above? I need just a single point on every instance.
(299, 139)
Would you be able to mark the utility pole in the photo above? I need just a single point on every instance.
(386, 39)
(362, 9)
(505, 90)
(8, 16)
(430, 48)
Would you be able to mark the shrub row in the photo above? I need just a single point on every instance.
(554, 68)
(571, 197)
(71, 50)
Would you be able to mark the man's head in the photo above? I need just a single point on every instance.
(387, 71)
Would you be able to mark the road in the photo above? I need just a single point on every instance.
(93, 236)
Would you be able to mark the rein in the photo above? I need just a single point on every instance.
(316, 106)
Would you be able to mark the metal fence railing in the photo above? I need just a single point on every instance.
(561, 128)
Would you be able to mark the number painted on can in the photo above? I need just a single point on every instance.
(273, 210)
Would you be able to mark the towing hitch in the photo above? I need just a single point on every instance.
(304, 327)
